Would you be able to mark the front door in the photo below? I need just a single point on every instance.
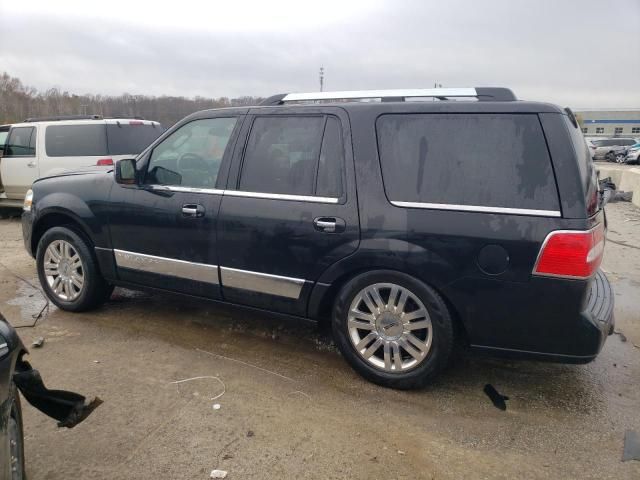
(163, 229)
(290, 208)
(19, 164)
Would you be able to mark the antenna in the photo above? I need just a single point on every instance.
(321, 78)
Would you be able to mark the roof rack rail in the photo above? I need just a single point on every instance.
(483, 94)
(125, 117)
(59, 118)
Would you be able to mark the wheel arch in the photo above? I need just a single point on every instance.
(323, 296)
(58, 218)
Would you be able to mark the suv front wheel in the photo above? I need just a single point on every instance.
(68, 271)
(393, 329)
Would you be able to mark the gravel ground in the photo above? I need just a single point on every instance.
(290, 407)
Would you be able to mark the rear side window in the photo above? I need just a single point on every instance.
(76, 140)
(485, 160)
(282, 156)
(130, 138)
(21, 142)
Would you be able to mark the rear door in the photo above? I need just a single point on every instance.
(19, 164)
(290, 208)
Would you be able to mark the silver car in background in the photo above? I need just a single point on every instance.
(611, 149)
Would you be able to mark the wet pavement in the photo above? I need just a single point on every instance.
(290, 407)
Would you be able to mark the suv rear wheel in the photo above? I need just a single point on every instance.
(393, 329)
(68, 271)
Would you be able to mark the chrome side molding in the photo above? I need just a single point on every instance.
(261, 282)
(200, 272)
(239, 193)
(477, 208)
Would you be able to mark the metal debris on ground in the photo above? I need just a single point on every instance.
(631, 446)
(38, 342)
(497, 399)
(218, 474)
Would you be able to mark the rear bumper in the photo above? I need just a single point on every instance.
(542, 325)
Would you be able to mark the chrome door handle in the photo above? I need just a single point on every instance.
(193, 210)
(31, 164)
(329, 224)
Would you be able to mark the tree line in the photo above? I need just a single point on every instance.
(19, 102)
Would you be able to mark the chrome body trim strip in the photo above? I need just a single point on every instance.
(200, 272)
(478, 208)
(261, 282)
(404, 93)
(238, 193)
(178, 188)
(279, 196)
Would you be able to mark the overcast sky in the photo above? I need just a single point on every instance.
(581, 53)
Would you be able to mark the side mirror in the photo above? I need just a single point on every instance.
(126, 171)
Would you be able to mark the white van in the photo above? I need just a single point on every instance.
(41, 147)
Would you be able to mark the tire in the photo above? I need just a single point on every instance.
(70, 248)
(390, 364)
(610, 157)
(16, 438)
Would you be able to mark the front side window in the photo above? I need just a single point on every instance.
(191, 156)
(21, 142)
(486, 160)
(294, 156)
(76, 140)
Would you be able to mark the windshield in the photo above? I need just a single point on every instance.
(131, 138)
(3, 138)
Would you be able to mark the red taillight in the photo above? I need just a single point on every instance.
(136, 122)
(104, 162)
(573, 254)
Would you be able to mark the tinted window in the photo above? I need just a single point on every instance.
(467, 159)
(282, 155)
(20, 143)
(130, 138)
(191, 156)
(329, 179)
(76, 140)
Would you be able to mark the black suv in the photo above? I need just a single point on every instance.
(407, 217)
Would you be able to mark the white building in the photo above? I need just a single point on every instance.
(619, 122)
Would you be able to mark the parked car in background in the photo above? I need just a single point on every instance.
(612, 149)
(362, 214)
(633, 154)
(590, 143)
(40, 147)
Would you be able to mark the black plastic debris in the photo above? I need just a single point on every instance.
(631, 446)
(497, 399)
(68, 408)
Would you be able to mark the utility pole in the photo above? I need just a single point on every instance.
(321, 78)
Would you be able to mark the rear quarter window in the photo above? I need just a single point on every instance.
(76, 140)
(130, 138)
(484, 160)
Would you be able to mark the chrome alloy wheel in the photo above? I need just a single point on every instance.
(64, 270)
(390, 327)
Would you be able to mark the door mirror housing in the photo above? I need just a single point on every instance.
(126, 171)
